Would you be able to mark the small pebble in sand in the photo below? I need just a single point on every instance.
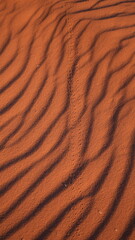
(100, 212)
(116, 230)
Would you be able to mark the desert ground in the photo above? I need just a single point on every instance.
(67, 120)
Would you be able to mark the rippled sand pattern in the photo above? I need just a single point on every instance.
(67, 120)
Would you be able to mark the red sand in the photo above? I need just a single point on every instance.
(67, 120)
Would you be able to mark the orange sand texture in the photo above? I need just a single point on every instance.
(67, 119)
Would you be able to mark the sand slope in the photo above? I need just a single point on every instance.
(67, 120)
